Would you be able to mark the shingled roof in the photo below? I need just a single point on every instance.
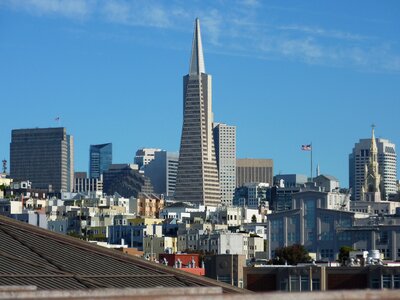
(33, 256)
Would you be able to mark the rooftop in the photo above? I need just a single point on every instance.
(33, 256)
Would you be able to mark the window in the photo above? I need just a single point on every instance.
(316, 284)
(305, 283)
(396, 281)
(387, 281)
(294, 283)
(375, 284)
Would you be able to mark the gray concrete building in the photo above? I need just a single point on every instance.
(254, 170)
(290, 180)
(44, 156)
(162, 170)
(387, 161)
(312, 222)
(225, 149)
(197, 179)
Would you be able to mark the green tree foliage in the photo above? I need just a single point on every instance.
(291, 255)
(344, 253)
(254, 219)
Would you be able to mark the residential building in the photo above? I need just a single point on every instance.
(252, 195)
(225, 150)
(153, 246)
(188, 262)
(253, 170)
(148, 205)
(387, 166)
(144, 156)
(44, 156)
(197, 178)
(100, 158)
(161, 171)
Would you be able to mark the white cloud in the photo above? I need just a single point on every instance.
(212, 25)
(232, 29)
(66, 8)
(323, 32)
(139, 13)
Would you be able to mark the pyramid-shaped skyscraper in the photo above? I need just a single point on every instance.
(197, 178)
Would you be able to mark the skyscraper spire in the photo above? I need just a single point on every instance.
(197, 58)
(372, 180)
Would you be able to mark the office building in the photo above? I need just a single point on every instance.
(44, 156)
(290, 180)
(387, 166)
(100, 159)
(253, 170)
(144, 156)
(126, 180)
(162, 172)
(197, 179)
(312, 221)
(90, 186)
(225, 150)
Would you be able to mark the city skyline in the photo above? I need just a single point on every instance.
(317, 74)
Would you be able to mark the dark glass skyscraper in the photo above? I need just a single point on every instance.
(44, 156)
(100, 159)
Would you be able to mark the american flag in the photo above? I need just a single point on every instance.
(306, 147)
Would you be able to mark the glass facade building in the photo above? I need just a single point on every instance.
(100, 159)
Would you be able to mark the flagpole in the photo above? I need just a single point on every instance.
(311, 163)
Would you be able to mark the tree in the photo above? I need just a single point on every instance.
(344, 253)
(291, 255)
(254, 219)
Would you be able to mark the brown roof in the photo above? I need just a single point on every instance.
(34, 256)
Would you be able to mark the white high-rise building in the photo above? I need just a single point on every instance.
(197, 179)
(225, 150)
(162, 172)
(387, 166)
(144, 156)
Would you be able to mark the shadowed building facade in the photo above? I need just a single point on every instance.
(44, 156)
(197, 177)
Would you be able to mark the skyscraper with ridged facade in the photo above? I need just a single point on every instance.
(197, 178)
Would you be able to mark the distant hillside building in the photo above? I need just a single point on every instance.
(100, 159)
(387, 162)
(44, 156)
(253, 170)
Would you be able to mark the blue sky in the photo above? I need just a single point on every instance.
(286, 73)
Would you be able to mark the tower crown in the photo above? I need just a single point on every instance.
(197, 59)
